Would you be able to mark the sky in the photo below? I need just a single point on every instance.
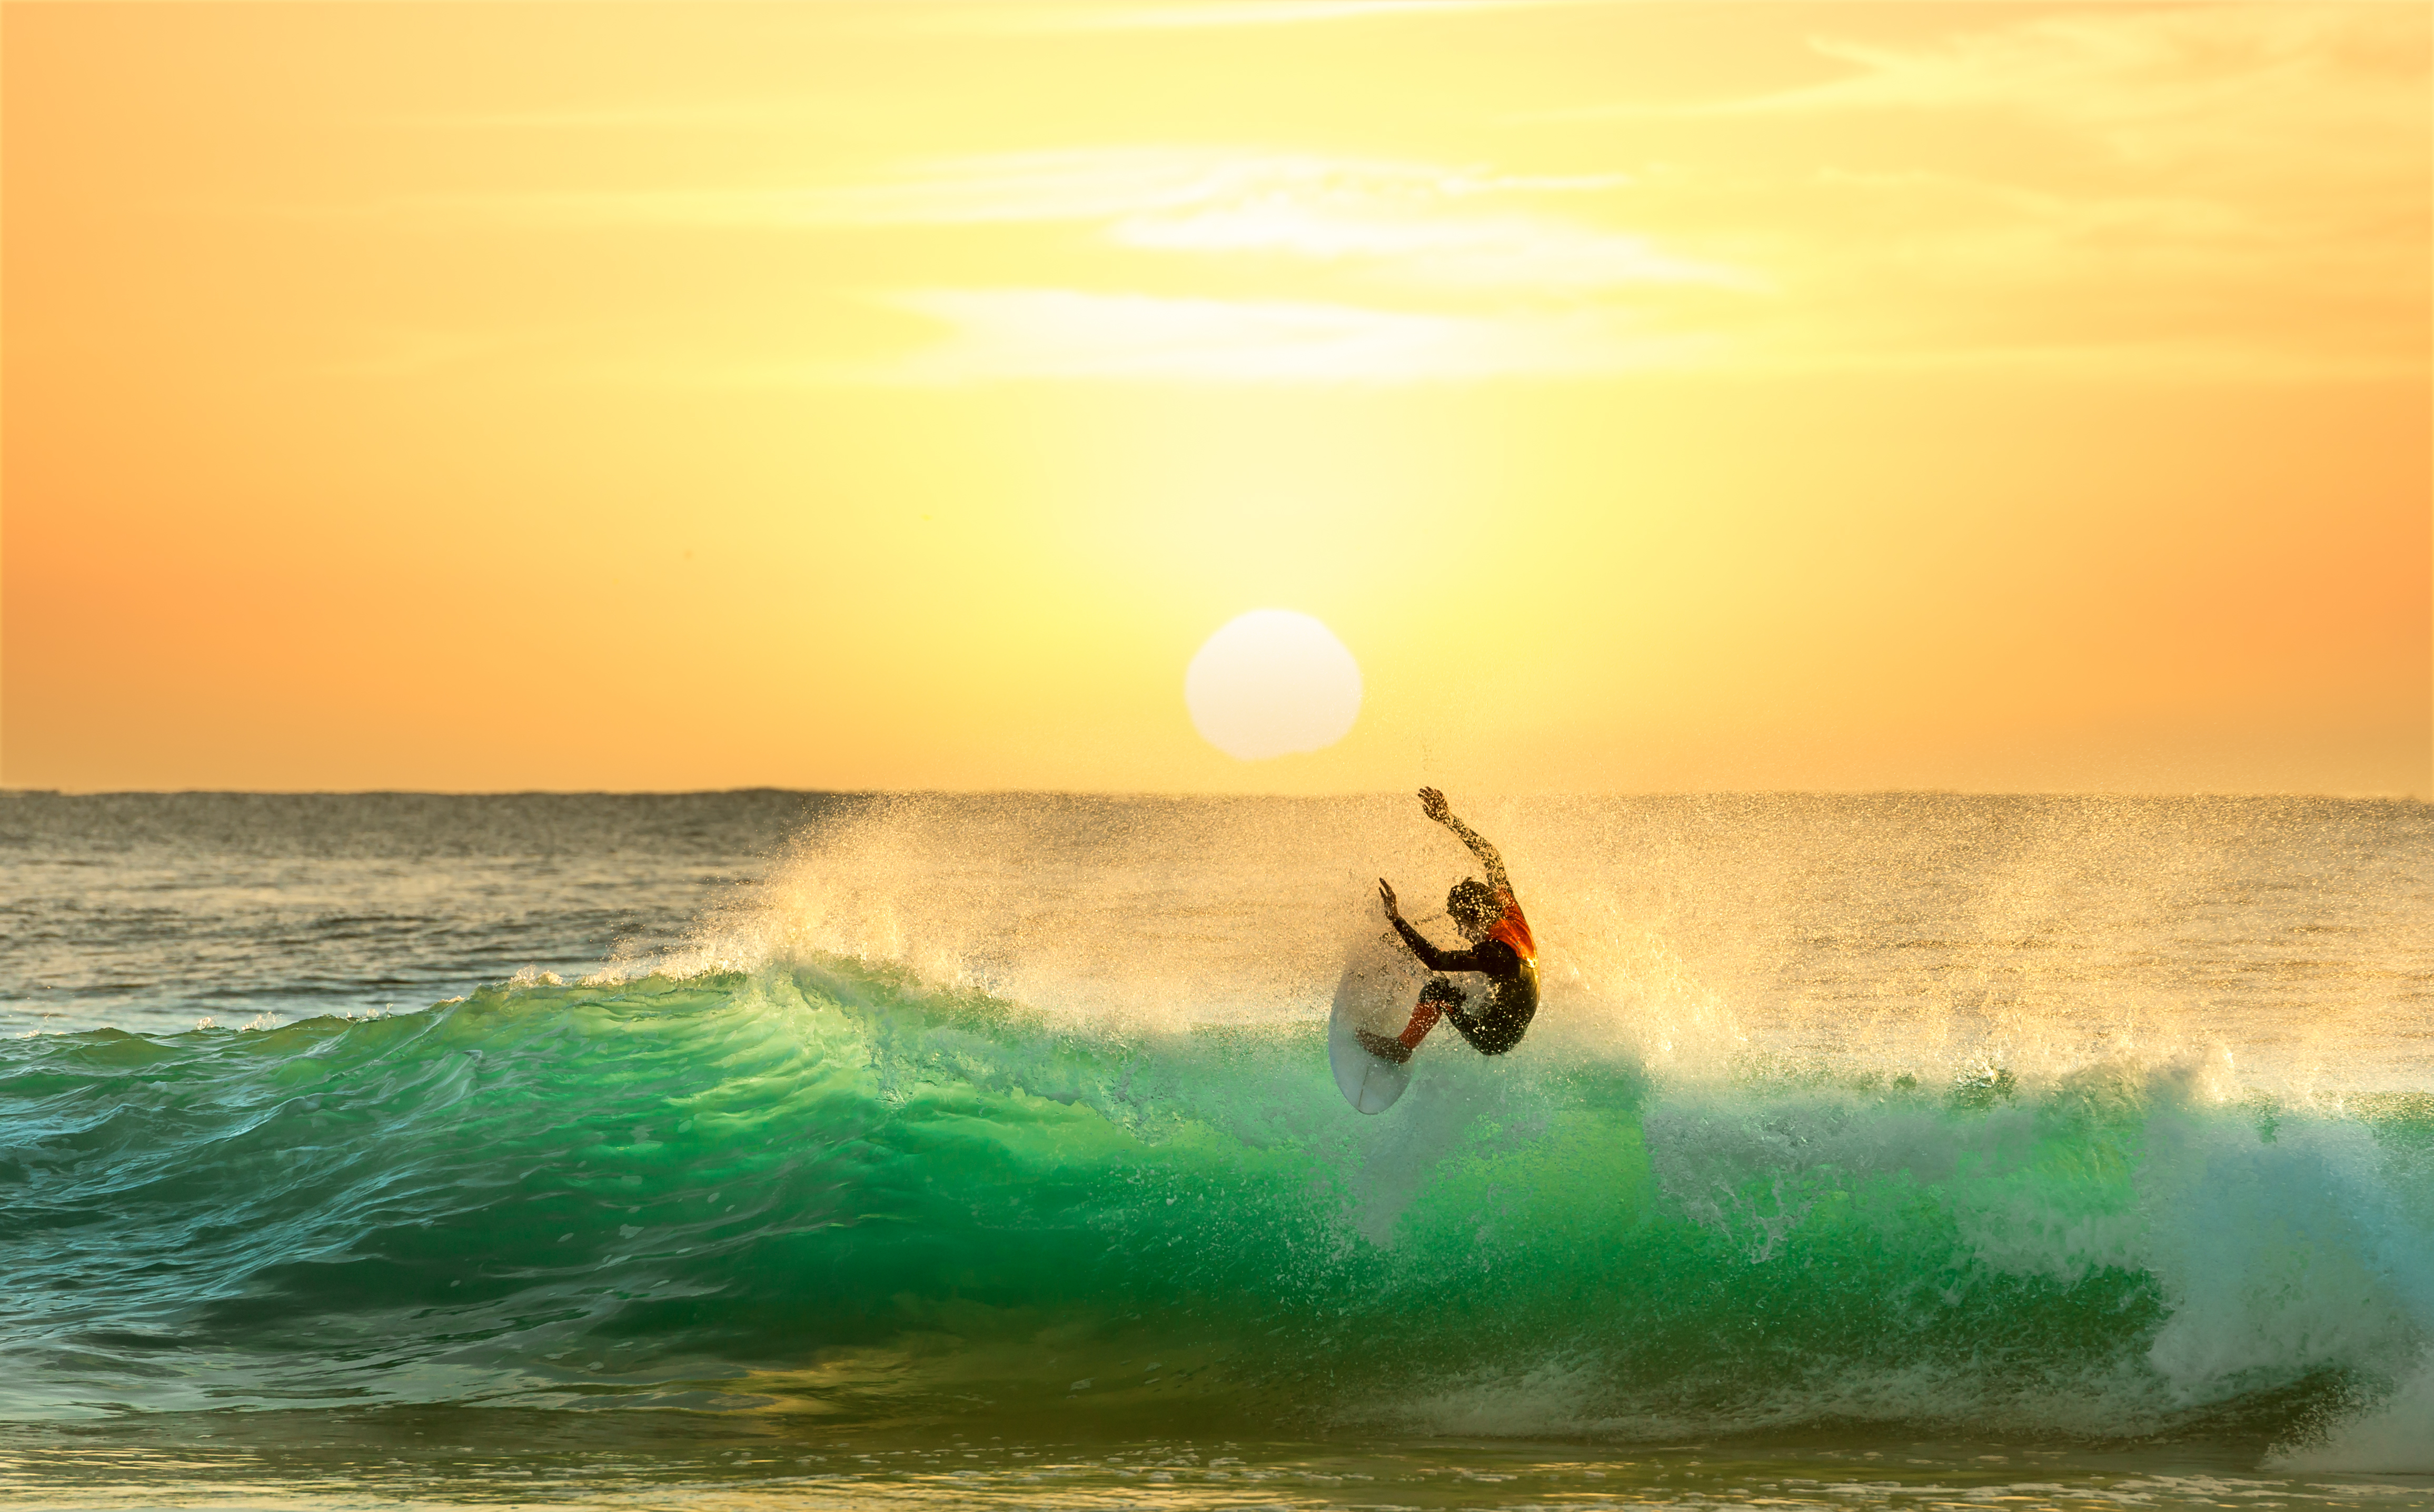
(1649, 397)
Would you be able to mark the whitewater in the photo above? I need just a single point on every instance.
(852, 1150)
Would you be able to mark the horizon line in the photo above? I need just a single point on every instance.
(17, 792)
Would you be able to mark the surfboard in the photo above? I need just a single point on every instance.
(1381, 982)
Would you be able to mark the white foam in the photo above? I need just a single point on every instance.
(2279, 1256)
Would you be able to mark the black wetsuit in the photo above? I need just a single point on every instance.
(1512, 989)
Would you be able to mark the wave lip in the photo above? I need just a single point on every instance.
(828, 1187)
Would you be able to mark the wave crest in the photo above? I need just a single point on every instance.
(836, 1187)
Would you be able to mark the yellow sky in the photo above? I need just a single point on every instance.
(897, 394)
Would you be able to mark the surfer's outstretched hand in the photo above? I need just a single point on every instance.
(1432, 803)
(1386, 895)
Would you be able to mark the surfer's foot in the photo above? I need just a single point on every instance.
(1382, 1047)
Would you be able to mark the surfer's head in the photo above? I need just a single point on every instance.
(1474, 907)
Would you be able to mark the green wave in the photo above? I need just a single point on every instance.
(828, 1187)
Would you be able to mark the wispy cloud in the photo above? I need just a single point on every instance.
(2235, 190)
(2240, 190)
(1071, 334)
(2153, 82)
(1082, 184)
(1007, 19)
(2153, 79)
(1227, 264)
(1519, 254)
(1425, 225)
(1428, 223)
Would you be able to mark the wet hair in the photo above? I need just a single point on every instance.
(1473, 901)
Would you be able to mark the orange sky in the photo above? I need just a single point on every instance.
(897, 394)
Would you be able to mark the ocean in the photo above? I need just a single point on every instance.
(759, 1149)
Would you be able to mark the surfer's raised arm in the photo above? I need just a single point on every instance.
(1432, 803)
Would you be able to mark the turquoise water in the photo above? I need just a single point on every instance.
(828, 1188)
(836, 1215)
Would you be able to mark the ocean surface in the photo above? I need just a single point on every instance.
(732, 1150)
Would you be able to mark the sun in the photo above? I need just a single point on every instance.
(1270, 683)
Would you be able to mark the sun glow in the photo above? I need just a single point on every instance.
(1658, 396)
(1273, 684)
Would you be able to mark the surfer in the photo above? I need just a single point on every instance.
(1501, 949)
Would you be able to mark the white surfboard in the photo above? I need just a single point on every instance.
(1380, 983)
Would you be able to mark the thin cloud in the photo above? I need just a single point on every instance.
(1469, 252)
(2235, 191)
(2154, 71)
(1083, 184)
(1003, 20)
(1416, 224)
(1000, 335)
(2229, 192)
(2153, 82)
(1372, 271)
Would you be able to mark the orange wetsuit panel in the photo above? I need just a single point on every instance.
(1514, 930)
(1511, 928)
